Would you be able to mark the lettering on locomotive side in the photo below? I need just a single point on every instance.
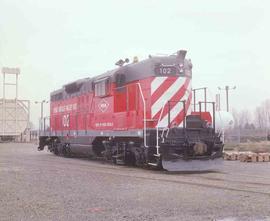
(65, 120)
(64, 108)
(104, 124)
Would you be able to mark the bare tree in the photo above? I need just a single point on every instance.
(244, 118)
(262, 115)
(266, 105)
(259, 117)
(235, 115)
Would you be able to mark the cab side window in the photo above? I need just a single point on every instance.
(102, 88)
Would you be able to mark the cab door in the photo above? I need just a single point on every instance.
(120, 103)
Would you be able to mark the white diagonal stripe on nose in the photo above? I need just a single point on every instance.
(167, 95)
(176, 109)
(156, 83)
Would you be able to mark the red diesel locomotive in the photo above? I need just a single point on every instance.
(137, 114)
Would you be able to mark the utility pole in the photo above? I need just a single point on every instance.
(41, 111)
(217, 102)
(227, 88)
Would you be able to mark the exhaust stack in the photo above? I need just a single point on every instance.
(181, 54)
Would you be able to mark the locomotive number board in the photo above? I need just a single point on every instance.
(165, 70)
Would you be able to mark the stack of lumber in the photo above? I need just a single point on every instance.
(247, 156)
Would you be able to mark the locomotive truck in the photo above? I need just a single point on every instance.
(137, 114)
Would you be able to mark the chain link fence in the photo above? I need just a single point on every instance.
(239, 135)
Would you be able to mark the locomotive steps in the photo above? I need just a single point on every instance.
(247, 156)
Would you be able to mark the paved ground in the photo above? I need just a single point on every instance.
(40, 186)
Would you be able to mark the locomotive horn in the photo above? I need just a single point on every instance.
(120, 63)
(182, 54)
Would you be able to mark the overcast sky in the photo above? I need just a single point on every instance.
(58, 41)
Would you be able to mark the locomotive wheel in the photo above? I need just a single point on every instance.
(130, 159)
(66, 150)
(54, 148)
(114, 161)
(159, 164)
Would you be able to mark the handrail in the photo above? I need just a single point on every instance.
(144, 115)
(165, 128)
(213, 111)
(157, 127)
